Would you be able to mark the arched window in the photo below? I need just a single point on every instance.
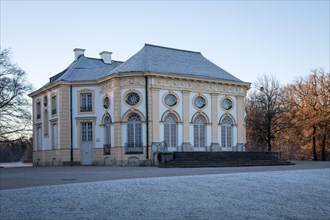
(107, 134)
(170, 130)
(226, 132)
(134, 131)
(199, 131)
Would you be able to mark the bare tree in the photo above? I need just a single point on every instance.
(15, 115)
(263, 112)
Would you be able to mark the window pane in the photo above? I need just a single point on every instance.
(223, 136)
(167, 134)
(173, 134)
(229, 135)
(54, 105)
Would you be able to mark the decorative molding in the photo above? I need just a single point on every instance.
(199, 86)
(132, 81)
(106, 86)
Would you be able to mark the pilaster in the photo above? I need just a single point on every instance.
(155, 115)
(117, 112)
(186, 146)
(64, 117)
(241, 131)
(215, 146)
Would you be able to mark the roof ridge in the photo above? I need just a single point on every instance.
(170, 48)
(94, 58)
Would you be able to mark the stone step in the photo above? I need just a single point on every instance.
(196, 164)
(224, 159)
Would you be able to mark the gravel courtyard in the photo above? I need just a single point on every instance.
(295, 194)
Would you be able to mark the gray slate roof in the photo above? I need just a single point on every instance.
(85, 69)
(166, 60)
(150, 58)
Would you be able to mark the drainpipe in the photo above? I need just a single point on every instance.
(71, 138)
(147, 117)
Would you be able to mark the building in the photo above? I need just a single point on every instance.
(106, 112)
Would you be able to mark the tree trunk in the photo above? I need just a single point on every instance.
(323, 147)
(269, 144)
(314, 144)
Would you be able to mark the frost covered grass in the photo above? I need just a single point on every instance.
(296, 194)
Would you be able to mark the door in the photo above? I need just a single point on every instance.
(86, 143)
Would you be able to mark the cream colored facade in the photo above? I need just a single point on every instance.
(102, 133)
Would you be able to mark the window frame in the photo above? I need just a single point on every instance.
(136, 127)
(38, 110)
(171, 136)
(80, 97)
(133, 91)
(227, 132)
(195, 98)
(54, 104)
(200, 130)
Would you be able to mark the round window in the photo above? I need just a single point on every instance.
(132, 98)
(170, 100)
(106, 102)
(200, 102)
(227, 104)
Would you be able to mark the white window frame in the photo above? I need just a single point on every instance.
(171, 130)
(226, 132)
(200, 131)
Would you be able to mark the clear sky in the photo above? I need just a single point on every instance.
(247, 38)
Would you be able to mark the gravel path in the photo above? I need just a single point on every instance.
(296, 194)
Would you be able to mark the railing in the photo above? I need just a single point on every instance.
(106, 149)
(134, 148)
(162, 147)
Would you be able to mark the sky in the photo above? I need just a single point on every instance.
(285, 39)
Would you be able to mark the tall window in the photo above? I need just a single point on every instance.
(54, 105)
(134, 131)
(38, 110)
(199, 131)
(170, 130)
(226, 132)
(86, 102)
(87, 131)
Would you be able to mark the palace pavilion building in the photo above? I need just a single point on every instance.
(99, 111)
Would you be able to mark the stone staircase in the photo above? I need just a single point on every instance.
(223, 159)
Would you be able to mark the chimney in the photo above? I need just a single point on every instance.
(106, 56)
(78, 52)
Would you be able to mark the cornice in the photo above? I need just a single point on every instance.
(153, 75)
